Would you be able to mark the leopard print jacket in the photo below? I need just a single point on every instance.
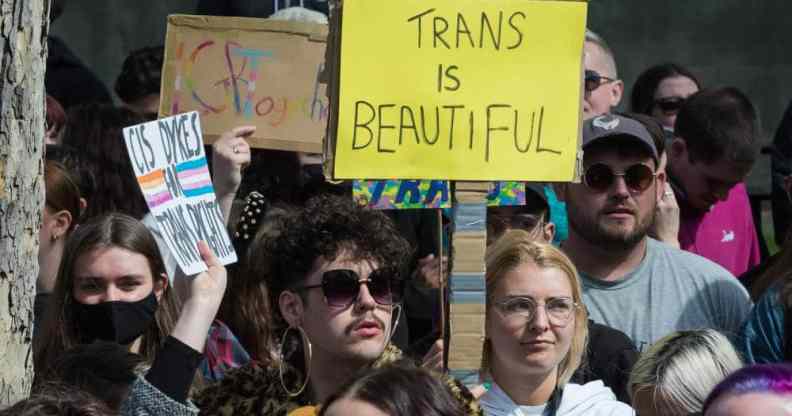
(255, 390)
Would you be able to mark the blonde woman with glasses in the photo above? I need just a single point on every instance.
(536, 333)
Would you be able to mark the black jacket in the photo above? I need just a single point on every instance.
(610, 358)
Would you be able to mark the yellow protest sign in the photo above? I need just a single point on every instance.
(459, 90)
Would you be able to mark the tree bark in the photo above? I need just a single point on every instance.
(23, 36)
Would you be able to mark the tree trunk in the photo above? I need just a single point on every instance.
(23, 36)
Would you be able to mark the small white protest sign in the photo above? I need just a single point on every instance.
(170, 164)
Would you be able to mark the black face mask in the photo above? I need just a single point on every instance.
(116, 321)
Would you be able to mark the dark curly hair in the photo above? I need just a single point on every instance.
(140, 74)
(326, 227)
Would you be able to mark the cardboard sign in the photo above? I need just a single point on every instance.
(467, 305)
(396, 194)
(170, 164)
(457, 89)
(242, 71)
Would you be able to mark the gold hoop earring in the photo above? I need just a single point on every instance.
(306, 343)
(395, 323)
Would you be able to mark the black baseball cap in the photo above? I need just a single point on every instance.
(611, 125)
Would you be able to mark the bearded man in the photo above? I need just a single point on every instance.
(638, 285)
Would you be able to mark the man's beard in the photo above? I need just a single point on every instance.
(609, 236)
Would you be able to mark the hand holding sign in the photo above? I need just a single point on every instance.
(230, 155)
(204, 293)
(248, 71)
(494, 90)
(207, 288)
(170, 164)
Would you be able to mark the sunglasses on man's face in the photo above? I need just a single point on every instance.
(593, 80)
(669, 105)
(600, 177)
(341, 287)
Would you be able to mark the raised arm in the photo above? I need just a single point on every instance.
(230, 154)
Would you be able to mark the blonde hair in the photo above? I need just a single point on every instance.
(517, 247)
(682, 368)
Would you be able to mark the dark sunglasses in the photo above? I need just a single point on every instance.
(670, 105)
(593, 80)
(599, 177)
(341, 287)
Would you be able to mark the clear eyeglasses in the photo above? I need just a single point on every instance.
(519, 310)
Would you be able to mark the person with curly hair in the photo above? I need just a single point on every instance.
(334, 276)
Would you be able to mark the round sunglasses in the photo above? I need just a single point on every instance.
(638, 177)
(341, 287)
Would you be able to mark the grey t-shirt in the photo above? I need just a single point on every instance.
(671, 290)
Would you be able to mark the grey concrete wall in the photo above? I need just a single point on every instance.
(103, 32)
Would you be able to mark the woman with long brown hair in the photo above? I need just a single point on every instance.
(112, 286)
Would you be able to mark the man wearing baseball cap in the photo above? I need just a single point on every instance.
(631, 282)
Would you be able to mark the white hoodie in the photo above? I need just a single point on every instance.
(591, 399)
